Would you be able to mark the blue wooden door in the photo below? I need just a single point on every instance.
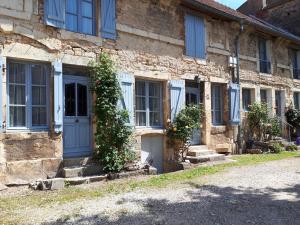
(77, 127)
(192, 97)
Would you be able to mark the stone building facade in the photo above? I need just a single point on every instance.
(46, 113)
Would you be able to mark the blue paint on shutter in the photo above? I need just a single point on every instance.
(58, 96)
(108, 19)
(190, 37)
(1, 104)
(55, 13)
(126, 82)
(200, 37)
(177, 96)
(234, 104)
(194, 36)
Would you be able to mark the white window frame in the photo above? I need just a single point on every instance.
(147, 82)
(28, 98)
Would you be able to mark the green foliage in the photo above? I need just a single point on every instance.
(274, 128)
(291, 148)
(293, 117)
(181, 129)
(276, 147)
(262, 126)
(258, 118)
(112, 134)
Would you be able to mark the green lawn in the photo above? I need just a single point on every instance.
(9, 205)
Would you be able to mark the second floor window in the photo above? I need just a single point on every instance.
(296, 64)
(264, 62)
(148, 104)
(194, 36)
(80, 16)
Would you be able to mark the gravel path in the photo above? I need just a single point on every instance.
(262, 194)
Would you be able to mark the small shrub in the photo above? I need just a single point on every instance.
(291, 148)
(274, 129)
(181, 129)
(276, 148)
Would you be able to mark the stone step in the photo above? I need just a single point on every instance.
(198, 147)
(200, 152)
(206, 158)
(81, 171)
(84, 180)
(82, 161)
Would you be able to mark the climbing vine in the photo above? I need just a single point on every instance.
(113, 136)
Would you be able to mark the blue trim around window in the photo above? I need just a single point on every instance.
(28, 98)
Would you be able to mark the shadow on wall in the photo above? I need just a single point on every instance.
(211, 205)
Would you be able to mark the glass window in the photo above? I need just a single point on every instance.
(264, 62)
(297, 100)
(263, 96)
(27, 88)
(80, 16)
(148, 103)
(217, 104)
(246, 93)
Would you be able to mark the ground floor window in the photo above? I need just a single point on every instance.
(27, 95)
(217, 104)
(263, 96)
(148, 103)
(297, 100)
(246, 95)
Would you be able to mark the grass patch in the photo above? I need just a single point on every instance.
(9, 205)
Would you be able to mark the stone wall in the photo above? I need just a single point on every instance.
(150, 45)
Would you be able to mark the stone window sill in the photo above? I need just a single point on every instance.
(144, 131)
(265, 74)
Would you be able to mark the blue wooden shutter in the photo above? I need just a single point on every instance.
(177, 96)
(200, 37)
(1, 104)
(55, 13)
(108, 19)
(234, 104)
(190, 37)
(126, 102)
(58, 96)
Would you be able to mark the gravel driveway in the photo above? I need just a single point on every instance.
(262, 194)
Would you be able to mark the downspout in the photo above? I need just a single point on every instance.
(237, 54)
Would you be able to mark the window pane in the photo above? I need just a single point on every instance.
(87, 26)
(17, 73)
(154, 89)
(140, 88)
(140, 103)
(37, 75)
(39, 116)
(155, 119)
(38, 95)
(17, 94)
(82, 100)
(140, 118)
(87, 9)
(154, 104)
(17, 116)
(71, 6)
(70, 107)
(71, 22)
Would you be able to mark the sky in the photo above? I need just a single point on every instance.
(232, 3)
